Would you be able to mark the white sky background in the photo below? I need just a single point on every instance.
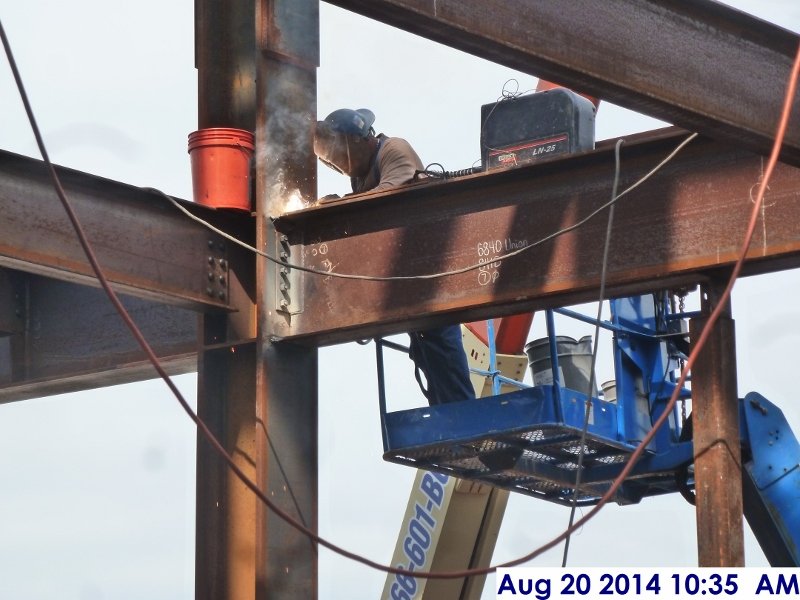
(97, 488)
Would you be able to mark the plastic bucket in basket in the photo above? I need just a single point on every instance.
(220, 159)
(574, 361)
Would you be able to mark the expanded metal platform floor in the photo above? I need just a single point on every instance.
(527, 442)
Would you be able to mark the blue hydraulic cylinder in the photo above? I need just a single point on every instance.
(644, 367)
(771, 480)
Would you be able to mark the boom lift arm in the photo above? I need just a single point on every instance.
(543, 422)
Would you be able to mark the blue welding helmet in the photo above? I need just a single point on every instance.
(331, 141)
(352, 122)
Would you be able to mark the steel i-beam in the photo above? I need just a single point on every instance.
(146, 246)
(701, 65)
(686, 220)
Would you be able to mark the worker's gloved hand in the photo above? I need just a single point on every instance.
(328, 198)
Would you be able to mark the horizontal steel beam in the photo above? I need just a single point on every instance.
(67, 337)
(700, 65)
(145, 245)
(687, 219)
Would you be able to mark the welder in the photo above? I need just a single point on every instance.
(346, 142)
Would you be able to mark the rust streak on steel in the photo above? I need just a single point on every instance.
(717, 444)
(226, 538)
(686, 220)
(701, 65)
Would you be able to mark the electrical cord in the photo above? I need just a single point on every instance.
(704, 334)
(505, 96)
(439, 275)
(701, 341)
(443, 174)
(591, 391)
(145, 346)
(698, 346)
(252, 486)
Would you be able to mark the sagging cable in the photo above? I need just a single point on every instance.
(437, 275)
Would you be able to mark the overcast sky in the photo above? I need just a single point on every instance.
(97, 488)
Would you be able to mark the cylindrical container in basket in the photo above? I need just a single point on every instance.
(574, 361)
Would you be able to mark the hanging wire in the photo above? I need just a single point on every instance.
(162, 373)
(506, 95)
(703, 337)
(591, 391)
(437, 275)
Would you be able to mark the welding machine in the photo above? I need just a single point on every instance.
(520, 130)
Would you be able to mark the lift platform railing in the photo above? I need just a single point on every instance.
(530, 440)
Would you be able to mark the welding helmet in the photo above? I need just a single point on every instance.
(352, 122)
(330, 140)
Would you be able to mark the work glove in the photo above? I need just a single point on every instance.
(328, 198)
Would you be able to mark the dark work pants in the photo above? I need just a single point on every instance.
(439, 354)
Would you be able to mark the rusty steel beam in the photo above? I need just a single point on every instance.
(700, 65)
(226, 532)
(717, 443)
(225, 556)
(688, 219)
(62, 337)
(226, 63)
(145, 245)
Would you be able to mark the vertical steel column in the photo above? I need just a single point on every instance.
(286, 443)
(225, 554)
(225, 58)
(225, 561)
(717, 446)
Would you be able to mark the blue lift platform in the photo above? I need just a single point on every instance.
(530, 441)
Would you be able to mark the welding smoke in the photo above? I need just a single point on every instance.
(288, 175)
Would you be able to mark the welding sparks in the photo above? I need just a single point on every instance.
(292, 198)
(294, 201)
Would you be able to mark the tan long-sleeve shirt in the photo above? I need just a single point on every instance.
(395, 164)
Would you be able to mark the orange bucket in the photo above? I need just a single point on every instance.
(221, 167)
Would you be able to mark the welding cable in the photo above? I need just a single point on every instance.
(706, 331)
(698, 346)
(591, 391)
(428, 171)
(443, 174)
(151, 356)
(700, 343)
(505, 96)
(140, 339)
(159, 369)
(252, 486)
(428, 276)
